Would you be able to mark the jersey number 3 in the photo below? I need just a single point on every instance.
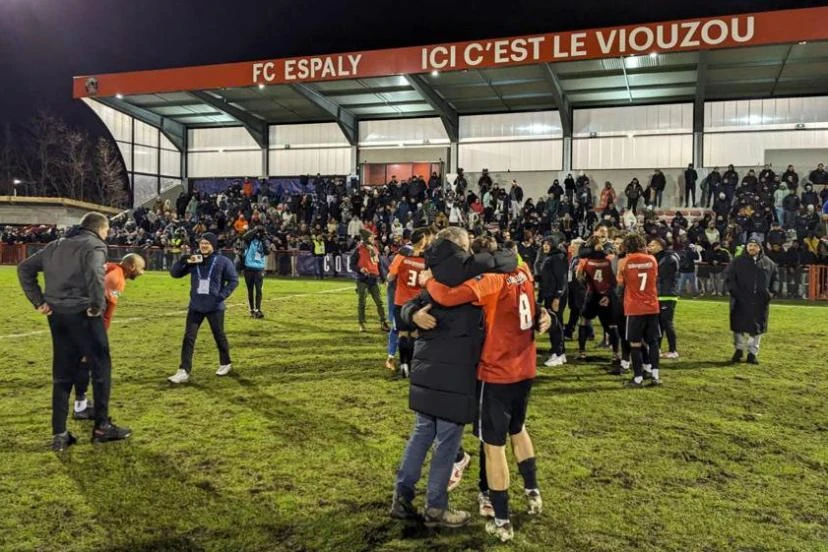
(412, 279)
(525, 310)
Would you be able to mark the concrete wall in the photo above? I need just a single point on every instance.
(403, 155)
(36, 211)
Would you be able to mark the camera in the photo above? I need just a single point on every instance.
(195, 259)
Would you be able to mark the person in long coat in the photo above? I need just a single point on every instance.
(750, 280)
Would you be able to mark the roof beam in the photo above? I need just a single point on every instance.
(255, 126)
(173, 130)
(449, 116)
(347, 121)
(561, 100)
(701, 86)
(781, 69)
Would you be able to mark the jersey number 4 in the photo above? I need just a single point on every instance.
(525, 310)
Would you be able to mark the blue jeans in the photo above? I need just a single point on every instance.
(446, 437)
(393, 335)
(684, 278)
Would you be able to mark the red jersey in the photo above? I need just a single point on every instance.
(599, 277)
(406, 269)
(638, 273)
(509, 353)
(368, 259)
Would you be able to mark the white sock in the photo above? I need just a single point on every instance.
(638, 379)
(655, 373)
(80, 406)
(501, 522)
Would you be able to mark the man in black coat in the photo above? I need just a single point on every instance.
(443, 391)
(552, 293)
(750, 280)
(667, 284)
(690, 178)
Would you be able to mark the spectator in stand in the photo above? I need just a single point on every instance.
(241, 225)
(714, 186)
(719, 257)
(767, 173)
(791, 206)
(633, 191)
(650, 195)
(460, 183)
(690, 178)
(484, 183)
(516, 198)
(659, 184)
(810, 197)
(818, 176)
(607, 196)
(730, 179)
(688, 258)
(569, 186)
(778, 199)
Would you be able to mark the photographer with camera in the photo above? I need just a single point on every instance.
(212, 279)
(252, 262)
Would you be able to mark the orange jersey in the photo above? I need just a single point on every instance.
(406, 269)
(599, 277)
(638, 273)
(509, 353)
(114, 284)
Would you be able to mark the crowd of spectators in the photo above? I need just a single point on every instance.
(789, 214)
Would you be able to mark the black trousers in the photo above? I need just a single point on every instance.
(320, 266)
(667, 310)
(556, 330)
(632, 204)
(77, 335)
(194, 320)
(689, 191)
(254, 280)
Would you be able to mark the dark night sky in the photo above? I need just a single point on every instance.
(43, 43)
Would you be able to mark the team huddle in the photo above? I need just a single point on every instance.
(464, 321)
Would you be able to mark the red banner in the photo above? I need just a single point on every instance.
(756, 29)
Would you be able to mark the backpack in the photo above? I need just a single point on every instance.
(254, 258)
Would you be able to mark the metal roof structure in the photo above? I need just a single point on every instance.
(786, 54)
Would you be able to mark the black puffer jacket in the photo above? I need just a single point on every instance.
(553, 277)
(444, 367)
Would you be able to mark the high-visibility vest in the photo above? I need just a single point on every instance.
(318, 247)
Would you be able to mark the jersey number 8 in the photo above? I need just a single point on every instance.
(525, 310)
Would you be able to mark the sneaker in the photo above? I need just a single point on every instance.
(391, 364)
(632, 384)
(503, 532)
(252, 314)
(87, 413)
(110, 432)
(561, 359)
(485, 505)
(182, 376)
(404, 370)
(457, 471)
(259, 314)
(625, 364)
(362, 327)
(63, 441)
(648, 369)
(385, 327)
(619, 371)
(224, 369)
(737, 356)
(672, 355)
(534, 501)
(751, 359)
(435, 517)
(403, 509)
(582, 356)
(655, 382)
(552, 361)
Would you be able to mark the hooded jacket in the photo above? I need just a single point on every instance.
(444, 367)
(73, 269)
(668, 275)
(552, 277)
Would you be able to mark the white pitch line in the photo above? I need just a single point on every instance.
(180, 312)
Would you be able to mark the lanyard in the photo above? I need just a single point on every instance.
(209, 272)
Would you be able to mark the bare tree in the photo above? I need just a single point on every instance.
(75, 163)
(47, 133)
(7, 161)
(109, 180)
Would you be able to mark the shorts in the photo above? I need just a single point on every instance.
(399, 323)
(502, 410)
(607, 315)
(644, 328)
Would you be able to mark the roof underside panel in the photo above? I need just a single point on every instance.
(754, 72)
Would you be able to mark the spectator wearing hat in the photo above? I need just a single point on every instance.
(750, 280)
(365, 262)
(212, 279)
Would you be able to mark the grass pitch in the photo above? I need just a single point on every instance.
(297, 448)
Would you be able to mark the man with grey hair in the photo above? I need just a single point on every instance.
(74, 302)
